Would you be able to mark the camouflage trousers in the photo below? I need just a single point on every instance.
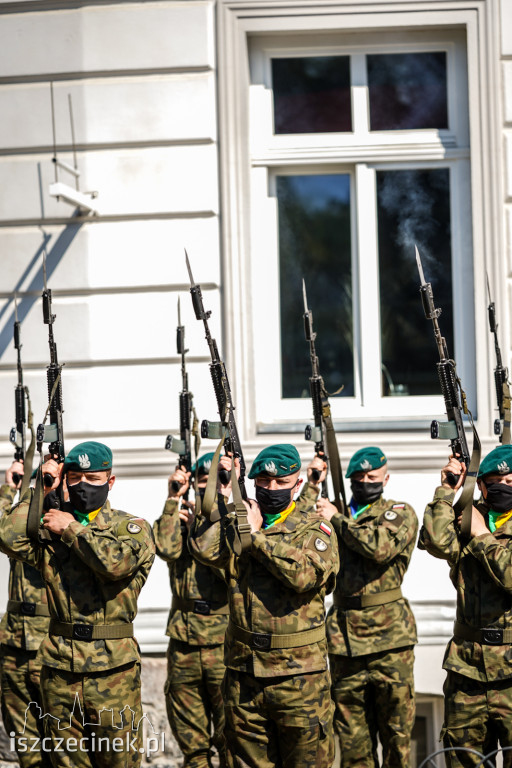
(281, 722)
(374, 695)
(89, 717)
(194, 703)
(478, 716)
(19, 681)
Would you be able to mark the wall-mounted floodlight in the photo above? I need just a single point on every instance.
(59, 190)
(82, 200)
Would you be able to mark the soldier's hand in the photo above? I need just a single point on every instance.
(56, 520)
(186, 514)
(254, 517)
(16, 468)
(52, 469)
(225, 463)
(320, 466)
(454, 467)
(178, 483)
(324, 508)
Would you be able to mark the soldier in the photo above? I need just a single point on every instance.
(197, 625)
(478, 686)
(277, 685)
(370, 627)
(94, 563)
(23, 627)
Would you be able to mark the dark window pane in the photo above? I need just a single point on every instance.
(413, 208)
(407, 91)
(314, 244)
(312, 94)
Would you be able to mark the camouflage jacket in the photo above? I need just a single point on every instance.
(481, 571)
(25, 585)
(278, 586)
(190, 580)
(93, 575)
(375, 551)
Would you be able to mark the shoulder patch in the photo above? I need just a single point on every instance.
(398, 506)
(325, 528)
(320, 544)
(390, 515)
(133, 528)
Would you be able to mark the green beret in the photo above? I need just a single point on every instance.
(497, 462)
(276, 461)
(365, 460)
(203, 464)
(88, 457)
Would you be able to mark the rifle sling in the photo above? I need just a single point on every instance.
(210, 493)
(506, 438)
(35, 508)
(241, 529)
(29, 456)
(334, 457)
(464, 503)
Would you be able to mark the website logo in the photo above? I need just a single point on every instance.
(132, 735)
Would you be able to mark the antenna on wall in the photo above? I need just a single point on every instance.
(71, 195)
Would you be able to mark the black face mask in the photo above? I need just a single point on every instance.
(366, 493)
(273, 502)
(499, 497)
(86, 497)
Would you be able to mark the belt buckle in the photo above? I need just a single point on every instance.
(202, 607)
(82, 631)
(28, 609)
(261, 640)
(492, 636)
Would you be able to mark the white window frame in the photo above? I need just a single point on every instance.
(298, 154)
(241, 22)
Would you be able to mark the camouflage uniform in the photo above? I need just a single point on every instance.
(276, 696)
(93, 575)
(371, 652)
(22, 630)
(478, 686)
(197, 625)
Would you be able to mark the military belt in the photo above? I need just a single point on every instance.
(367, 601)
(202, 607)
(90, 631)
(261, 641)
(486, 636)
(27, 609)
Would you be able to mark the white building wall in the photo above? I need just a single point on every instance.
(141, 77)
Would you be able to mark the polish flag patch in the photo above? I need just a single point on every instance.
(398, 506)
(325, 528)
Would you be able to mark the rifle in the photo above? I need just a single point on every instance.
(53, 433)
(322, 433)
(456, 404)
(183, 446)
(18, 433)
(501, 425)
(226, 430)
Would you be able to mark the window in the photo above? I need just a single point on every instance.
(359, 150)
